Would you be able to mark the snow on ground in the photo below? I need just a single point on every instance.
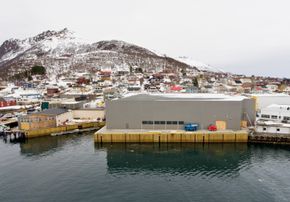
(209, 96)
(58, 44)
(201, 66)
(191, 62)
(16, 107)
(61, 42)
(20, 92)
(24, 46)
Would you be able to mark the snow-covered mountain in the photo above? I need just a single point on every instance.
(62, 52)
(199, 65)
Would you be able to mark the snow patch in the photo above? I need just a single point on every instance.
(199, 65)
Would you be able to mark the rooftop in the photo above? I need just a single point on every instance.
(52, 111)
(180, 97)
(278, 106)
(270, 95)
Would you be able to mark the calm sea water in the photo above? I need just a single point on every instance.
(73, 168)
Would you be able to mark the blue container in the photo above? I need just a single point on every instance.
(191, 127)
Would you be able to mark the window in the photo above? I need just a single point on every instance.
(286, 118)
(265, 116)
(278, 129)
(174, 122)
(156, 122)
(162, 122)
(147, 122)
(181, 122)
(264, 129)
(274, 117)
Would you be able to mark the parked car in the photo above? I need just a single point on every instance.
(212, 127)
(191, 127)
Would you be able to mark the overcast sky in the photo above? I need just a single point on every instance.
(240, 36)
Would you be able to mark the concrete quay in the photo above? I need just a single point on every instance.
(105, 135)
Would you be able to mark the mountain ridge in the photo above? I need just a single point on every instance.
(61, 52)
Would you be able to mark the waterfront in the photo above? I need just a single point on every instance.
(73, 168)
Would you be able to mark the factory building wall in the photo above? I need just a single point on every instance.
(249, 111)
(130, 114)
(92, 114)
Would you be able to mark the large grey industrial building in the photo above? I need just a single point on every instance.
(172, 111)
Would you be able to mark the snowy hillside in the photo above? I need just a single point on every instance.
(199, 65)
(62, 52)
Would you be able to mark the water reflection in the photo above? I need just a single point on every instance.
(47, 145)
(73, 169)
(185, 159)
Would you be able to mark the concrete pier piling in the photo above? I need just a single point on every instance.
(14, 136)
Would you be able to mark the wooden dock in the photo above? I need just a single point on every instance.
(63, 129)
(13, 136)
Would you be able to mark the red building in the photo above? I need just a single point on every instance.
(105, 75)
(82, 80)
(52, 91)
(7, 103)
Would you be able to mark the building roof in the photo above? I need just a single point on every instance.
(52, 111)
(270, 95)
(181, 97)
(278, 106)
(176, 88)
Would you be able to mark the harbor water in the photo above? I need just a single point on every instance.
(74, 168)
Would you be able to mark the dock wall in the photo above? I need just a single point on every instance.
(270, 138)
(158, 137)
(48, 131)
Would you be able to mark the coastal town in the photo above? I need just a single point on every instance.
(148, 100)
(40, 104)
